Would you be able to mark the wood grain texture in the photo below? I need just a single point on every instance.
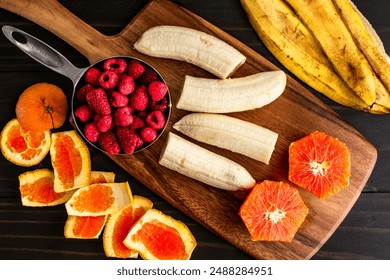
(293, 115)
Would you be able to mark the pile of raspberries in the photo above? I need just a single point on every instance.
(122, 106)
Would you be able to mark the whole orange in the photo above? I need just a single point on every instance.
(41, 107)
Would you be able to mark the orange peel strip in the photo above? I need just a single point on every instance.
(101, 177)
(22, 147)
(87, 227)
(37, 189)
(99, 199)
(71, 161)
(119, 225)
(157, 236)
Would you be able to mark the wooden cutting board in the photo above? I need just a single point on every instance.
(296, 113)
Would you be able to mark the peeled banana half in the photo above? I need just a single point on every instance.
(231, 95)
(192, 46)
(318, 42)
(198, 163)
(230, 133)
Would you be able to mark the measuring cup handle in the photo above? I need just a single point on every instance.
(42, 53)
(56, 18)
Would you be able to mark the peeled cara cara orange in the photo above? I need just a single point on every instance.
(320, 164)
(157, 236)
(23, 147)
(273, 211)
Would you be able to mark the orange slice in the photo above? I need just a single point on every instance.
(101, 177)
(87, 227)
(157, 236)
(37, 189)
(320, 164)
(273, 211)
(99, 199)
(22, 147)
(119, 225)
(71, 161)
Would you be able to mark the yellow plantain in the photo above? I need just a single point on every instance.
(293, 44)
(382, 95)
(322, 18)
(366, 39)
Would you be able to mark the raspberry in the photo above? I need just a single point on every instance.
(92, 76)
(157, 90)
(103, 123)
(142, 114)
(149, 76)
(108, 79)
(109, 143)
(137, 123)
(117, 65)
(161, 105)
(91, 132)
(118, 99)
(122, 116)
(126, 85)
(148, 134)
(135, 69)
(84, 113)
(98, 101)
(139, 99)
(81, 92)
(128, 139)
(155, 120)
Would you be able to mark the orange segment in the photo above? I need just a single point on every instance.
(157, 236)
(119, 225)
(71, 161)
(101, 177)
(37, 189)
(320, 164)
(42, 107)
(22, 147)
(99, 199)
(87, 227)
(273, 211)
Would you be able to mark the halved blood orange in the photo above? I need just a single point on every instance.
(119, 225)
(22, 147)
(320, 164)
(273, 211)
(157, 236)
(87, 227)
(99, 199)
(37, 189)
(101, 177)
(71, 161)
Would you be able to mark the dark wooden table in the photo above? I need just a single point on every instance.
(37, 233)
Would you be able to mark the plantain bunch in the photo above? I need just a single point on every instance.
(329, 45)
